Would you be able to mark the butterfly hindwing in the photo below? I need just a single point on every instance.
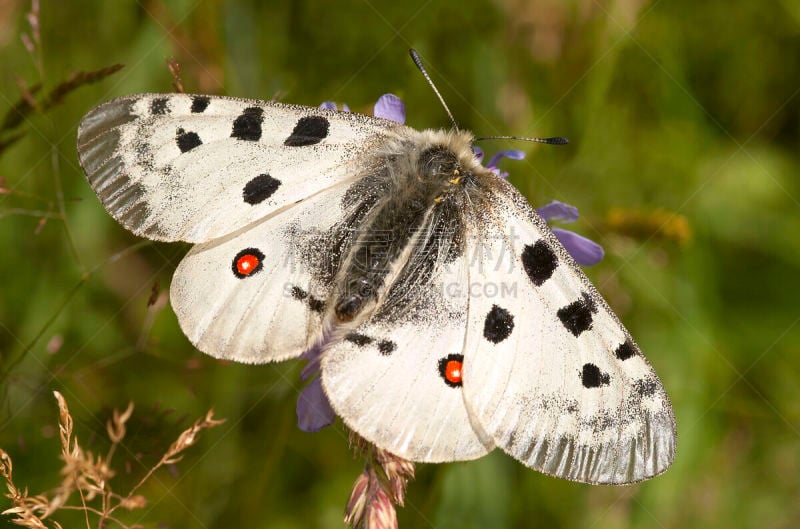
(191, 167)
(259, 294)
(396, 379)
(549, 371)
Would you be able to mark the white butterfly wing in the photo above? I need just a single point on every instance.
(549, 371)
(190, 167)
(396, 378)
(258, 295)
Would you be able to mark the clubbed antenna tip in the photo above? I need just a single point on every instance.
(557, 140)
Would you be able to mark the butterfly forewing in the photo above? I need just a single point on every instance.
(194, 168)
(549, 371)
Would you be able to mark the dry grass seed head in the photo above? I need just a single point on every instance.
(116, 425)
(189, 436)
(87, 473)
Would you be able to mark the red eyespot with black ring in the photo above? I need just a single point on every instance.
(247, 262)
(451, 369)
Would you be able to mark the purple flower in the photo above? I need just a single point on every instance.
(491, 165)
(330, 105)
(584, 251)
(391, 107)
(314, 411)
(388, 106)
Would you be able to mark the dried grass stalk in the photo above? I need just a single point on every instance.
(89, 475)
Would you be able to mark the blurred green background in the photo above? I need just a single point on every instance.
(684, 119)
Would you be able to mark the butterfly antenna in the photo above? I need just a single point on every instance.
(558, 140)
(418, 61)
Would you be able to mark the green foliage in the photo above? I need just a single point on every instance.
(678, 111)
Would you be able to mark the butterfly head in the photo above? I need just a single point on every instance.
(447, 156)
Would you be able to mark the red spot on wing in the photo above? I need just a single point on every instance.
(452, 371)
(246, 264)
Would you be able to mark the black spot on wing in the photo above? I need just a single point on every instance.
(299, 294)
(309, 130)
(577, 316)
(539, 262)
(498, 324)
(187, 140)
(159, 106)
(260, 188)
(625, 350)
(386, 347)
(359, 339)
(200, 104)
(592, 377)
(314, 304)
(247, 126)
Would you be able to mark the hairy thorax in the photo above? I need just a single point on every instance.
(433, 170)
